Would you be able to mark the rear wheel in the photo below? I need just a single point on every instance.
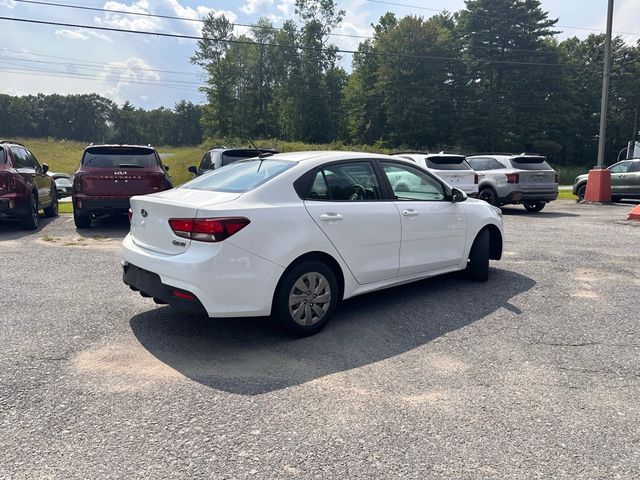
(478, 266)
(52, 210)
(306, 298)
(81, 219)
(534, 206)
(30, 221)
(582, 190)
(488, 195)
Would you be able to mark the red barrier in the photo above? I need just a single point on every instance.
(598, 186)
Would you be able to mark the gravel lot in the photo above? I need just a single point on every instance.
(535, 374)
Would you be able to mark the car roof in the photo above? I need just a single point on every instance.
(118, 145)
(241, 149)
(427, 155)
(320, 157)
(11, 142)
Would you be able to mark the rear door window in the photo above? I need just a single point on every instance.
(110, 157)
(483, 164)
(449, 162)
(409, 183)
(530, 163)
(634, 167)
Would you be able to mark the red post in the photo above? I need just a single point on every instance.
(598, 186)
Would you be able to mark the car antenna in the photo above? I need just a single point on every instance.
(261, 155)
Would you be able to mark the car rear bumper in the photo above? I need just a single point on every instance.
(102, 204)
(5, 206)
(228, 281)
(520, 197)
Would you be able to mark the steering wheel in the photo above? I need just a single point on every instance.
(358, 192)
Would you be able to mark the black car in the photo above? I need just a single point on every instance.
(220, 156)
(25, 187)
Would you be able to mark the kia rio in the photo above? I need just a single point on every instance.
(290, 235)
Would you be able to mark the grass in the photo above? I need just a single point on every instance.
(566, 195)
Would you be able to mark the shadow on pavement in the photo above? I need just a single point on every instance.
(11, 228)
(250, 356)
(111, 226)
(520, 211)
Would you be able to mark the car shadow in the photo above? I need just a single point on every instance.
(516, 212)
(111, 226)
(250, 356)
(11, 228)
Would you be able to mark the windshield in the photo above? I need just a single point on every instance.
(118, 157)
(449, 162)
(240, 176)
(530, 163)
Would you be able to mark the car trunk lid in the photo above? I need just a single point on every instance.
(534, 173)
(150, 227)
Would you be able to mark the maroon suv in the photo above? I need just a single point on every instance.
(25, 187)
(109, 175)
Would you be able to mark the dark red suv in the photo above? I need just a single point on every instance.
(109, 175)
(25, 187)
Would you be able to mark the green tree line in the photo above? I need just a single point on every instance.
(93, 118)
(491, 77)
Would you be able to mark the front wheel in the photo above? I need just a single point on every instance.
(478, 266)
(534, 207)
(52, 210)
(488, 195)
(30, 221)
(582, 190)
(306, 298)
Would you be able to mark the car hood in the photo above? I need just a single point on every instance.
(582, 177)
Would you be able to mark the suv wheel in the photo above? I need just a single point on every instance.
(488, 195)
(306, 298)
(52, 210)
(81, 219)
(582, 190)
(478, 266)
(534, 206)
(31, 220)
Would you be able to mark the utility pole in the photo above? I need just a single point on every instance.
(599, 181)
(631, 153)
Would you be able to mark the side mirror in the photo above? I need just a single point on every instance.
(193, 169)
(45, 168)
(458, 195)
(166, 168)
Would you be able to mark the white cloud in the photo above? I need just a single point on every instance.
(131, 70)
(81, 34)
(7, 3)
(252, 6)
(288, 8)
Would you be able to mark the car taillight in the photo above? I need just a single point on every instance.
(557, 179)
(513, 178)
(207, 229)
(476, 179)
(130, 215)
(78, 183)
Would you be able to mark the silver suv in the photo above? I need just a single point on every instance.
(512, 179)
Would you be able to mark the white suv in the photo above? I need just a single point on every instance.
(451, 168)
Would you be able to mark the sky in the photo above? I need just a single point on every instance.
(69, 60)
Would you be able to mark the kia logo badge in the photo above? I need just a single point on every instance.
(144, 213)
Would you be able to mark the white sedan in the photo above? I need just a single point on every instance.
(290, 235)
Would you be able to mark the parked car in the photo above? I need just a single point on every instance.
(220, 156)
(625, 181)
(25, 187)
(292, 234)
(109, 175)
(515, 179)
(63, 183)
(452, 168)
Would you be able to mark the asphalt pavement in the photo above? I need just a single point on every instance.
(535, 374)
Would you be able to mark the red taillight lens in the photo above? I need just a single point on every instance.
(207, 229)
(130, 215)
(77, 183)
(557, 179)
(513, 178)
(476, 179)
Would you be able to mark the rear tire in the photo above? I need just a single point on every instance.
(582, 190)
(31, 221)
(478, 266)
(306, 298)
(81, 219)
(534, 207)
(52, 210)
(489, 195)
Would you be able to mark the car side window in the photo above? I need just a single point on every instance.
(345, 182)
(409, 183)
(621, 167)
(34, 160)
(22, 158)
(634, 167)
(205, 164)
(493, 164)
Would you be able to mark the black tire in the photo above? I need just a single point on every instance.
(582, 190)
(489, 195)
(81, 219)
(31, 220)
(52, 210)
(534, 207)
(616, 198)
(308, 323)
(478, 266)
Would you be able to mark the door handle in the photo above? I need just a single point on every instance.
(331, 217)
(410, 213)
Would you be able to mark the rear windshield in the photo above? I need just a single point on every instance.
(450, 162)
(239, 177)
(530, 163)
(235, 155)
(110, 157)
(3, 158)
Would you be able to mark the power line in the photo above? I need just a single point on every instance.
(385, 2)
(294, 47)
